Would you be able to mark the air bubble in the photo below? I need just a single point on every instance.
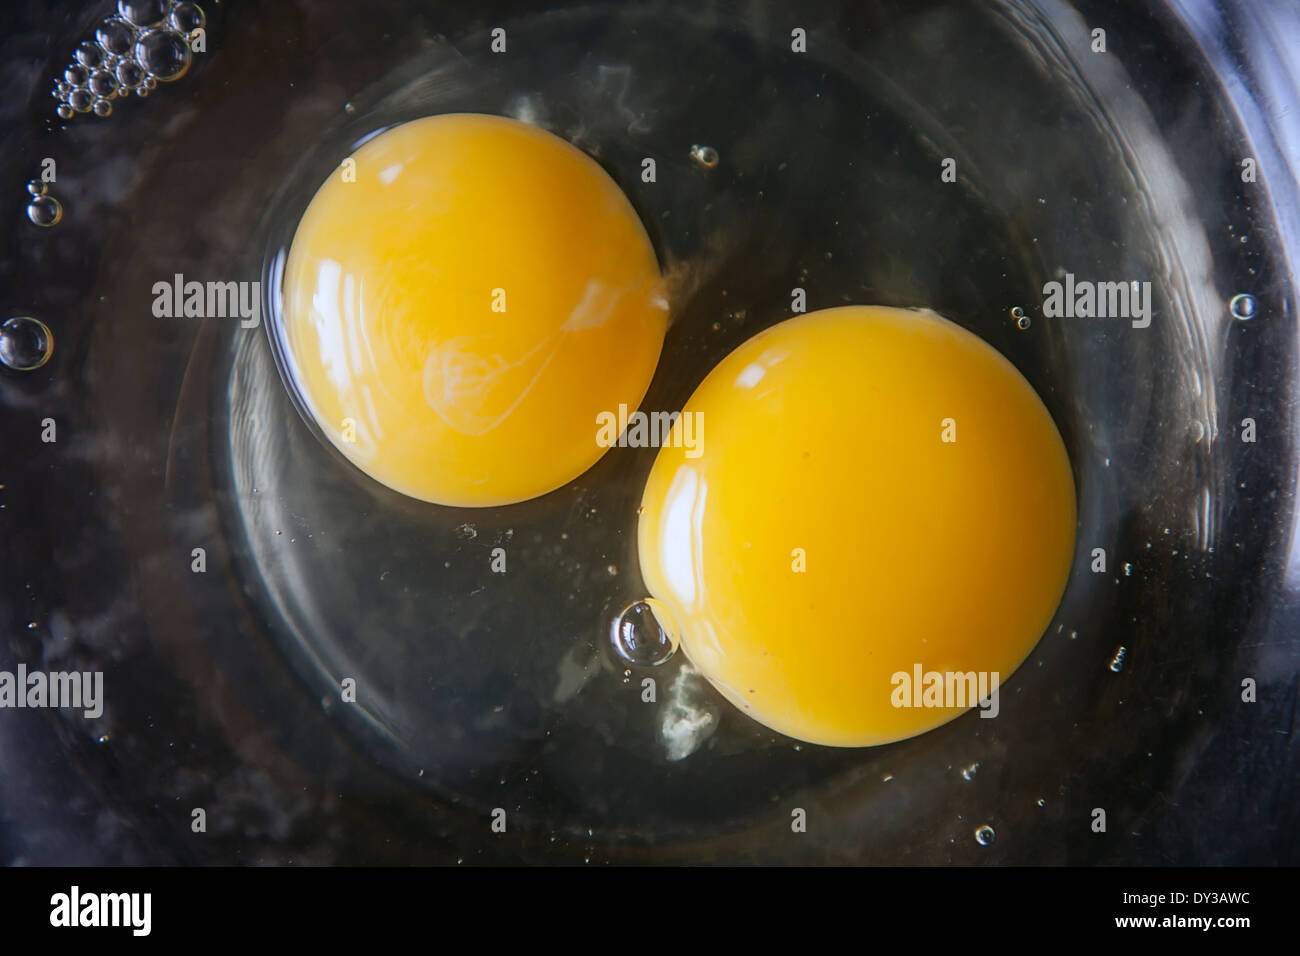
(102, 107)
(163, 54)
(130, 74)
(102, 84)
(45, 211)
(25, 343)
(1242, 306)
(644, 634)
(65, 111)
(141, 13)
(985, 835)
(968, 773)
(90, 55)
(1022, 320)
(81, 101)
(705, 156)
(186, 18)
(76, 76)
(115, 36)
(36, 188)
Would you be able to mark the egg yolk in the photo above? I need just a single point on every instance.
(875, 492)
(462, 298)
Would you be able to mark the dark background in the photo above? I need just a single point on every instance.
(1237, 802)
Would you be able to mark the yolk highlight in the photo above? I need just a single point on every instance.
(461, 300)
(878, 492)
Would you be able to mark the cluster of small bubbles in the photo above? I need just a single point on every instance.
(25, 344)
(704, 156)
(1117, 662)
(1022, 320)
(1242, 306)
(643, 634)
(968, 773)
(146, 42)
(985, 835)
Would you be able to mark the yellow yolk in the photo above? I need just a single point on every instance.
(877, 492)
(462, 298)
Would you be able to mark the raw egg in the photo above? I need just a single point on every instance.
(879, 497)
(462, 298)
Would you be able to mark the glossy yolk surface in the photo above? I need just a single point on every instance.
(461, 300)
(827, 537)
